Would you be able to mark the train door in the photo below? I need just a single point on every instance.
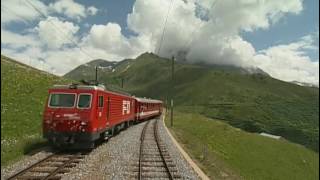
(101, 114)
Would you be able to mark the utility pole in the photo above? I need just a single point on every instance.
(172, 90)
(122, 81)
(96, 75)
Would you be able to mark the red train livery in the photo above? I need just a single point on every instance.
(147, 108)
(76, 116)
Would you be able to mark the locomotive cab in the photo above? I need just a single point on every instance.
(68, 116)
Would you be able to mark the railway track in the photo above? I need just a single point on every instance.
(154, 158)
(51, 167)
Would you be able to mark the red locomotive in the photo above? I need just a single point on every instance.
(76, 116)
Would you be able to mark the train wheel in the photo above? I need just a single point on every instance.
(126, 124)
(115, 130)
(99, 141)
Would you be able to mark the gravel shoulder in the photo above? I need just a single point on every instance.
(184, 167)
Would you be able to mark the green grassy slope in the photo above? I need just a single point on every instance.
(106, 69)
(254, 102)
(224, 152)
(23, 94)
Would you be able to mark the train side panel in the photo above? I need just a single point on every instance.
(147, 108)
(121, 109)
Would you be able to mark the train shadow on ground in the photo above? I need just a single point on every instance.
(32, 148)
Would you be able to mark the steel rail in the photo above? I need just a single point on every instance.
(156, 134)
(143, 133)
(30, 167)
(51, 174)
(159, 149)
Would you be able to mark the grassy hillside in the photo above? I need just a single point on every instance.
(224, 152)
(87, 71)
(254, 102)
(23, 94)
(106, 69)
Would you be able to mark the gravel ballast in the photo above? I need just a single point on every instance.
(115, 159)
(24, 163)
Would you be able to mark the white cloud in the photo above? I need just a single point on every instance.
(30, 55)
(15, 40)
(54, 33)
(218, 39)
(215, 40)
(92, 10)
(21, 11)
(109, 38)
(69, 8)
(54, 61)
(72, 9)
(185, 31)
(289, 62)
(27, 11)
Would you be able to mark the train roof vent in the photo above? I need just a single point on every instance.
(102, 86)
(73, 86)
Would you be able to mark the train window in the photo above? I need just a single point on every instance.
(62, 100)
(84, 101)
(100, 104)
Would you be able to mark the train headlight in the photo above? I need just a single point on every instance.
(83, 123)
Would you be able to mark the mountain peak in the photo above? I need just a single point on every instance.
(101, 63)
(147, 55)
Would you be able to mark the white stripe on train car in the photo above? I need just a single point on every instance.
(147, 113)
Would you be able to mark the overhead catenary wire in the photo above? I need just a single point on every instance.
(62, 31)
(8, 10)
(57, 27)
(66, 35)
(164, 27)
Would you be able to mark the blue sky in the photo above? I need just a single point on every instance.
(283, 39)
(112, 11)
(288, 29)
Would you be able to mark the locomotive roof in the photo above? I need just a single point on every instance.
(94, 87)
(147, 100)
(79, 87)
(88, 87)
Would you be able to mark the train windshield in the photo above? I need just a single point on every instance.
(84, 101)
(62, 100)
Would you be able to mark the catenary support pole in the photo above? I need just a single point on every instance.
(96, 76)
(172, 89)
(122, 81)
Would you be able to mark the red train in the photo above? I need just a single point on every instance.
(76, 116)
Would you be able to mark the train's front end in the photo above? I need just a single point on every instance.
(68, 117)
